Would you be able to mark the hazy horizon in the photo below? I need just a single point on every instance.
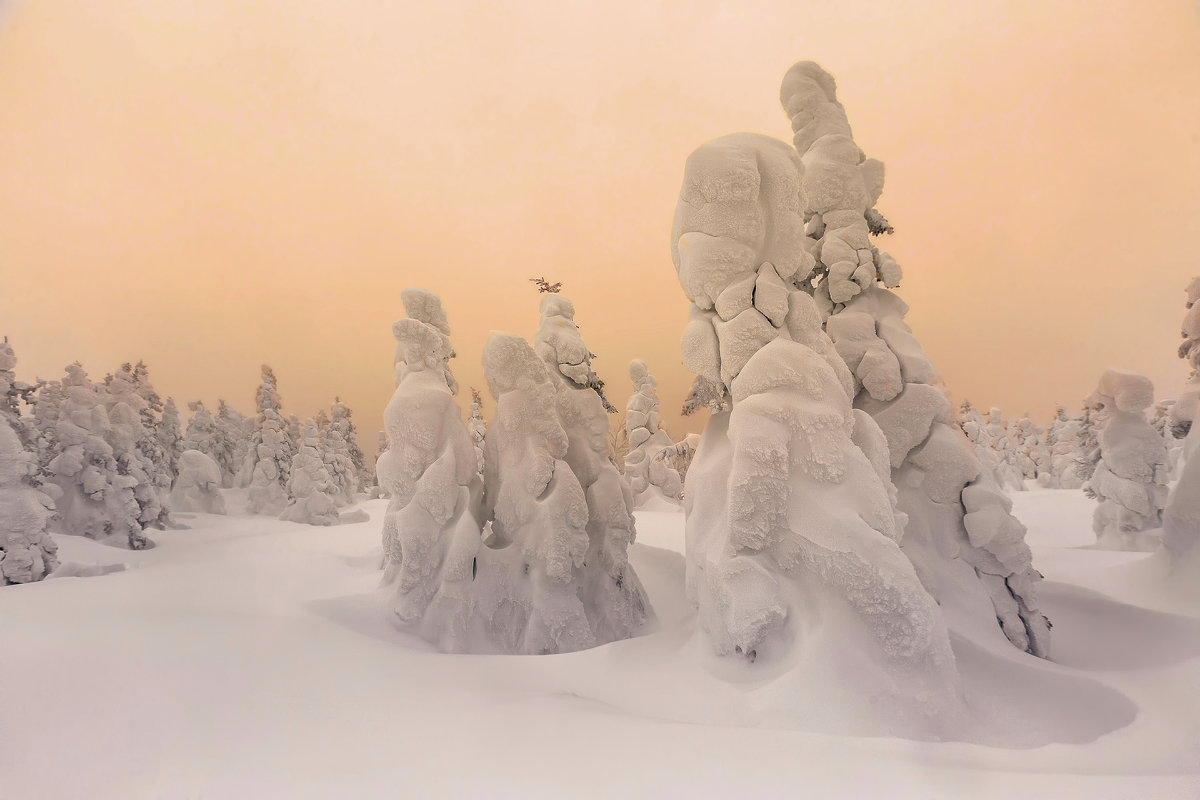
(210, 187)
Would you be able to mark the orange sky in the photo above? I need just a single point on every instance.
(211, 185)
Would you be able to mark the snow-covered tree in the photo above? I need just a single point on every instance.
(477, 427)
(93, 496)
(433, 530)
(267, 467)
(130, 401)
(337, 446)
(1091, 422)
(229, 442)
(1064, 437)
(770, 242)
(1181, 518)
(27, 552)
(310, 487)
(1130, 481)
(1187, 407)
(198, 484)
(201, 430)
(649, 464)
(381, 447)
(170, 436)
(616, 603)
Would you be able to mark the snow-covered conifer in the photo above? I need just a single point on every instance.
(649, 464)
(615, 601)
(1130, 481)
(1181, 518)
(198, 484)
(130, 401)
(1064, 450)
(170, 436)
(432, 529)
(310, 488)
(93, 496)
(228, 441)
(1091, 422)
(267, 467)
(336, 442)
(27, 552)
(1187, 406)
(201, 430)
(761, 232)
(477, 427)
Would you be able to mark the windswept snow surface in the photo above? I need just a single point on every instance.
(249, 657)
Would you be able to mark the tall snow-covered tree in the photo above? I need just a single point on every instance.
(1187, 407)
(477, 427)
(27, 552)
(310, 487)
(201, 430)
(229, 441)
(131, 402)
(337, 446)
(1091, 422)
(1064, 449)
(1181, 518)
(267, 467)
(170, 436)
(649, 463)
(769, 242)
(1130, 480)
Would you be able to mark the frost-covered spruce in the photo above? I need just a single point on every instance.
(477, 427)
(27, 552)
(1130, 481)
(649, 464)
(170, 436)
(748, 239)
(337, 450)
(977, 431)
(310, 487)
(432, 529)
(93, 497)
(1091, 422)
(198, 484)
(960, 530)
(1187, 407)
(267, 467)
(616, 604)
(1181, 518)
(228, 441)
(131, 401)
(791, 525)
(201, 433)
(1063, 439)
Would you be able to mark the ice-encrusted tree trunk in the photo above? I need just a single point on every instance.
(742, 272)
(310, 488)
(268, 463)
(198, 484)
(649, 464)
(616, 604)
(432, 529)
(477, 427)
(27, 551)
(1130, 481)
(1181, 518)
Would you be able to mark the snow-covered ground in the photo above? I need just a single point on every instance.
(248, 657)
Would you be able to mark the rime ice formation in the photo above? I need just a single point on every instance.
(426, 307)
(616, 603)
(135, 448)
(198, 484)
(337, 448)
(94, 497)
(1181, 518)
(558, 343)
(229, 441)
(1130, 479)
(771, 242)
(477, 427)
(432, 529)
(977, 431)
(27, 552)
(1064, 450)
(309, 486)
(649, 467)
(267, 467)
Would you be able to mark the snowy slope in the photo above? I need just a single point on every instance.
(252, 658)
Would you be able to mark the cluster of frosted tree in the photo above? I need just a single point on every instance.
(1019, 449)
(1181, 519)
(302, 472)
(100, 459)
(551, 574)
(833, 482)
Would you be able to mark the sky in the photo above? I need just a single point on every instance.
(217, 184)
